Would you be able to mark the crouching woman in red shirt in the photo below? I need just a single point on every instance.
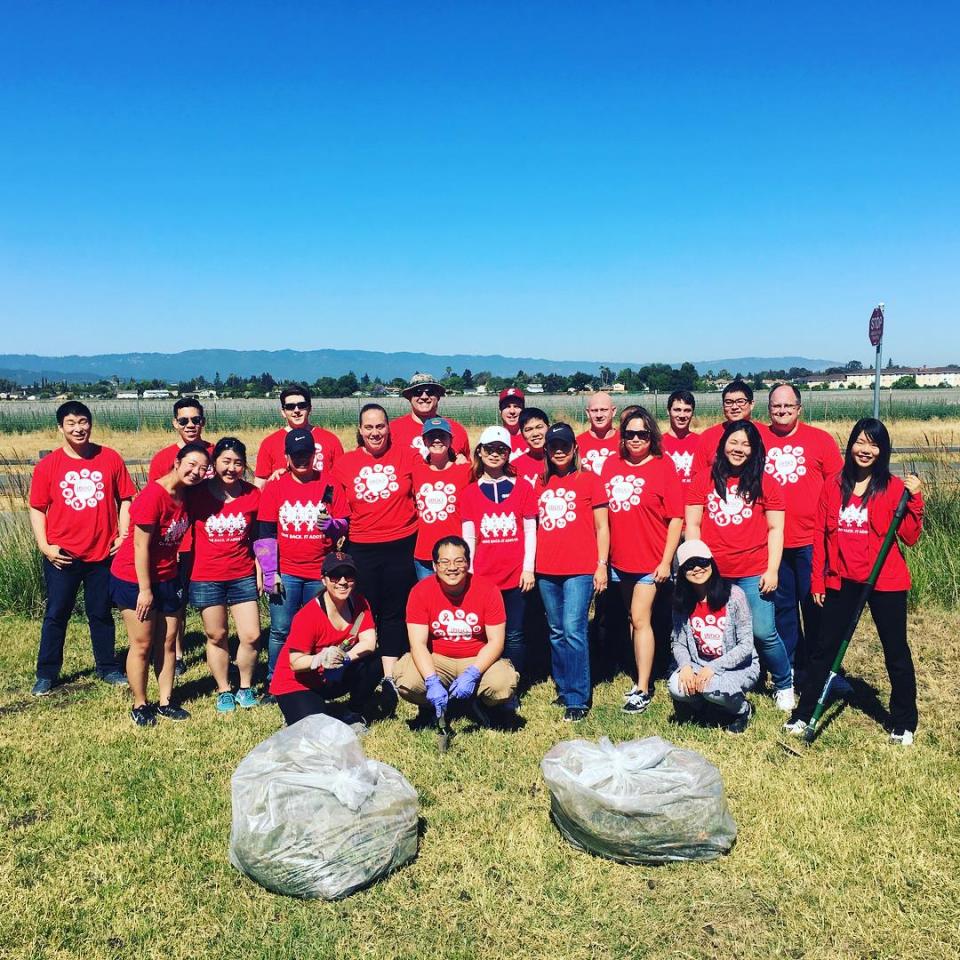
(856, 510)
(328, 651)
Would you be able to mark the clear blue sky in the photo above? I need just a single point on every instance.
(569, 180)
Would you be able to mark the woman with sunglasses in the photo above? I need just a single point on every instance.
(328, 653)
(646, 516)
(856, 510)
(573, 543)
(712, 641)
(225, 576)
(499, 515)
(738, 511)
(438, 482)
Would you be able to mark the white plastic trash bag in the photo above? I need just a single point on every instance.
(643, 801)
(314, 817)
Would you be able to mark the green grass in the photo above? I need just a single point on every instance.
(114, 840)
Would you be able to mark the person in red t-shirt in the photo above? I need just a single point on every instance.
(512, 403)
(329, 652)
(646, 514)
(296, 403)
(737, 510)
(79, 510)
(224, 576)
(737, 407)
(423, 394)
(600, 441)
(679, 441)
(533, 427)
(456, 624)
(855, 512)
(145, 586)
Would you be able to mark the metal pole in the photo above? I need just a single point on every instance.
(876, 384)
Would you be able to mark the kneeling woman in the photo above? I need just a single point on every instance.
(328, 651)
(712, 638)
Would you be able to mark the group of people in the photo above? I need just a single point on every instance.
(406, 566)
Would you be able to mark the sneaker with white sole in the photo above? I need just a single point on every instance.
(637, 702)
(796, 728)
(903, 738)
(785, 700)
(226, 703)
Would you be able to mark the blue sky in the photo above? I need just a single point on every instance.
(568, 180)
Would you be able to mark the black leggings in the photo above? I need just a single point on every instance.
(385, 576)
(360, 680)
(889, 611)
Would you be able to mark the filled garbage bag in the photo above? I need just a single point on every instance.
(313, 817)
(643, 801)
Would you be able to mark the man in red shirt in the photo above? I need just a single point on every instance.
(602, 440)
(737, 405)
(512, 404)
(456, 624)
(679, 441)
(80, 511)
(423, 394)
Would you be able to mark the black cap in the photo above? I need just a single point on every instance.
(297, 441)
(337, 561)
(560, 433)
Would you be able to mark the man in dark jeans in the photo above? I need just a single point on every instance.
(79, 510)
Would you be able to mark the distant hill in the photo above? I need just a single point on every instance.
(310, 364)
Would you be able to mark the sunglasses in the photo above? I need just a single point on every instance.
(339, 575)
(636, 434)
(695, 563)
(559, 446)
(183, 421)
(426, 392)
(495, 451)
(299, 405)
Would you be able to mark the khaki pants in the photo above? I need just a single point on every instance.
(497, 685)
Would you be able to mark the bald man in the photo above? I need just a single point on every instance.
(602, 439)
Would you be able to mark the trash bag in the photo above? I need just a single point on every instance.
(643, 801)
(313, 817)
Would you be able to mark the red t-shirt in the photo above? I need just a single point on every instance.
(437, 495)
(681, 453)
(853, 534)
(567, 536)
(272, 457)
(642, 501)
(456, 626)
(801, 463)
(518, 446)
(298, 509)
(735, 531)
(707, 627)
(379, 492)
(80, 498)
(529, 468)
(706, 449)
(163, 461)
(594, 452)
(498, 554)
(407, 431)
(154, 507)
(221, 533)
(311, 631)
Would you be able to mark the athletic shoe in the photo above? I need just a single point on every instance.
(637, 702)
(355, 722)
(796, 728)
(116, 678)
(43, 687)
(246, 698)
(226, 702)
(903, 738)
(172, 712)
(143, 716)
(629, 693)
(785, 700)
(740, 722)
(180, 669)
(575, 714)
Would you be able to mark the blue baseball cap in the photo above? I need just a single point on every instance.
(437, 423)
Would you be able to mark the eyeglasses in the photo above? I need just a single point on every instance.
(495, 451)
(426, 392)
(339, 575)
(460, 564)
(696, 563)
(299, 405)
(742, 402)
(183, 421)
(784, 406)
(636, 435)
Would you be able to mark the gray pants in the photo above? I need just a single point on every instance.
(731, 702)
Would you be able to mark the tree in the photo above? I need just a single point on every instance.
(853, 365)
(606, 376)
(347, 385)
(580, 381)
(905, 383)
(467, 378)
(554, 383)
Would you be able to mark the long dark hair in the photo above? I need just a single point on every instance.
(649, 424)
(750, 479)
(880, 471)
(685, 597)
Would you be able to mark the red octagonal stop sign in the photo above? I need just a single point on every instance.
(876, 326)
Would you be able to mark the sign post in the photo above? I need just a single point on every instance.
(876, 340)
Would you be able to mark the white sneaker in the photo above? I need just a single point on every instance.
(795, 729)
(785, 700)
(903, 738)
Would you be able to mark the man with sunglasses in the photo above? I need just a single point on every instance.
(423, 394)
(737, 405)
(296, 403)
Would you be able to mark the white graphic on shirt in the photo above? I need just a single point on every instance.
(457, 625)
(436, 501)
(300, 517)
(624, 491)
(82, 488)
(318, 457)
(514, 454)
(232, 525)
(375, 483)
(174, 533)
(733, 510)
(708, 634)
(557, 508)
(595, 459)
(498, 525)
(683, 462)
(418, 445)
(786, 464)
(853, 519)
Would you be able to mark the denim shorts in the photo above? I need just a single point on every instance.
(622, 576)
(222, 593)
(167, 595)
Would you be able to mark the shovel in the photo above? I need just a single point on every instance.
(444, 733)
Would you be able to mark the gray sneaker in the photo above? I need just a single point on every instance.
(116, 678)
(43, 687)
(636, 702)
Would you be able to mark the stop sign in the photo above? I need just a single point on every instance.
(876, 326)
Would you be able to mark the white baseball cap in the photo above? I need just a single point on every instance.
(495, 435)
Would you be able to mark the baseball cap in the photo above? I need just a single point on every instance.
(437, 423)
(512, 393)
(297, 441)
(560, 432)
(495, 435)
(691, 549)
(337, 561)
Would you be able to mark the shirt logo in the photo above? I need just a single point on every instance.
(300, 517)
(786, 464)
(318, 457)
(853, 519)
(436, 501)
(375, 483)
(733, 510)
(557, 508)
(624, 491)
(494, 525)
(232, 525)
(708, 634)
(683, 462)
(456, 625)
(82, 488)
(174, 533)
(595, 459)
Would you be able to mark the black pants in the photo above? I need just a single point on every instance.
(360, 679)
(889, 612)
(385, 576)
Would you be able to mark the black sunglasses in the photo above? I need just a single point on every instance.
(695, 563)
(426, 392)
(299, 405)
(183, 421)
(636, 434)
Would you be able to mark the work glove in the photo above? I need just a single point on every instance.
(465, 686)
(436, 693)
(266, 553)
(334, 527)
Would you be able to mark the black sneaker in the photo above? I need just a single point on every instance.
(740, 722)
(172, 712)
(637, 701)
(180, 669)
(143, 716)
(575, 714)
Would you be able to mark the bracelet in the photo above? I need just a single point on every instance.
(602, 563)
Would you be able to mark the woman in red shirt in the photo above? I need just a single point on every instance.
(225, 576)
(646, 516)
(856, 510)
(144, 582)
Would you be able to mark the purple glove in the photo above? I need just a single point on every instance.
(334, 527)
(436, 693)
(265, 551)
(465, 686)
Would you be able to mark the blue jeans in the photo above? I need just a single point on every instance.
(297, 593)
(515, 647)
(423, 569)
(792, 597)
(566, 601)
(773, 654)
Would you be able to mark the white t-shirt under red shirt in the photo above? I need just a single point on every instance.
(567, 536)
(594, 451)
(642, 500)
(407, 431)
(853, 536)
(707, 627)
(272, 455)
(222, 548)
(437, 495)
(456, 626)
(154, 507)
(379, 492)
(681, 452)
